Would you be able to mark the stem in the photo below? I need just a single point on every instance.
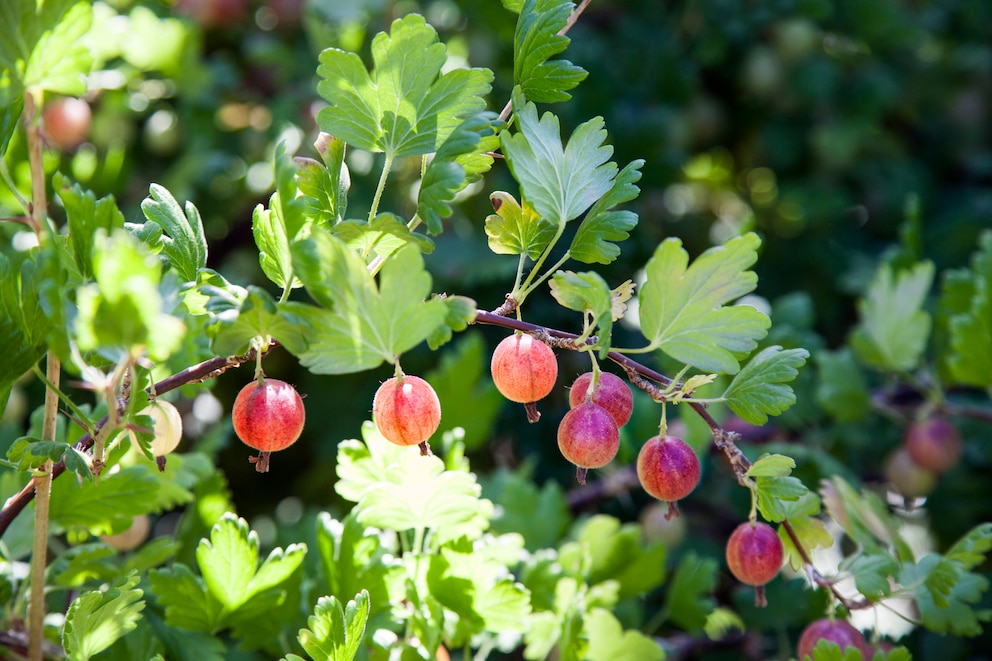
(386, 166)
(547, 274)
(519, 296)
(81, 418)
(7, 179)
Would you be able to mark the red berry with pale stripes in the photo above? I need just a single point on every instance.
(406, 410)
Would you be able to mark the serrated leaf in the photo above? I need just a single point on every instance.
(872, 574)
(721, 621)
(85, 214)
(587, 293)
(386, 234)
(258, 315)
(185, 244)
(683, 307)
(973, 547)
(603, 227)
(609, 642)
(124, 309)
(406, 107)
(95, 620)
(893, 328)
(540, 515)
(336, 633)
(863, 515)
(828, 650)
(535, 41)
(460, 311)
(228, 562)
(689, 600)
(947, 595)
(774, 493)
(42, 45)
(364, 324)
(324, 186)
(446, 175)
(559, 181)
(186, 601)
(106, 506)
(516, 229)
(417, 492)
(971, 329)
(760, 389)
(772, 465)
(841, 389)
(275, 227)
(24, 326)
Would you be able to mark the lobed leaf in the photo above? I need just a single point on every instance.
(96, 620)
(812, 534)
(971, 328)
(363, 324)
(760, 389)
(406, 107)
(683, 308)
(689, 601)
(85, 214)
(603, 226)
(893, 328)
(587, 293)
(841, 389)
(609, 642)
(559, 182)
(184, 242)
(535, 41)
(336, 633)
(258, 315)
(516, 229)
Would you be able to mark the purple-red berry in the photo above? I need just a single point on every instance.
(588, 437)
(268, 416)
(934, 444)
(836, 631)
(668, 469)
(612, 393)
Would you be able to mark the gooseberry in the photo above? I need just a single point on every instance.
(588, 437)
(835, 631)
(934, 444)
(754, 555)
(406, 410)
(131, 538)
(524, 370)
(66, 122)
(668, 470)
(910, 480)
(168, 427)
(268, 416)
(612, 393)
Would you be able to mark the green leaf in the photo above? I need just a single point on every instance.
(872, 574)
(406, 107)
(30, 453)
(468, 397)
(559, 182)
(893, 329)
(276, 227)
(479, 591)
(336, 633)
(184, 243)
(609, 642)
(947, 595)
(775, 494)
(106, 506)
(386, 234)
(42, 45)
(863, 515)
(842, 390)
(605, 550)
(417, 492)
(515, 229)
(259, 316)
(228, 562)
(689, 601)
(721, 621)
(603, 227)
(683, 307)
(84, 215)
(971, 550)
(541, 516)
(535, 41)
(828, 650)
(354, 559)
(365, 324)
(760, 389)
(9, 119)
(123, 309)
(971, 330)
(587, 293)
(186, 601)
(771, 465)
(318, 190)
(24, 326)
(446, 175)
(95, 620)
(460, 311)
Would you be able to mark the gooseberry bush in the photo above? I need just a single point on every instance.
(113, 320)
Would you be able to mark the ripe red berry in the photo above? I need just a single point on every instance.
(524, 370)
(668, 469)
(66, 122)
(754, 553)
(406, 410)
(588, 437)
(268, 416)
(836, 631)
(612, 393)
(934, 444)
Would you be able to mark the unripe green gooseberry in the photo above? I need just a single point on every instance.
(168, 427)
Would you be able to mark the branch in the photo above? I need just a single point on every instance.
(208, 369)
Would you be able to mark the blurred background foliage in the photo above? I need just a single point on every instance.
(819, 124)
